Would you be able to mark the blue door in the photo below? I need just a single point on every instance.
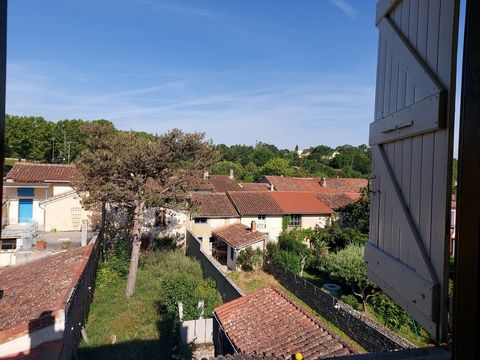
(25, 210)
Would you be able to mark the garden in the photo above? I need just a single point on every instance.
(145, 325)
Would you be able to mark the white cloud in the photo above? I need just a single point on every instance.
(326, 109)
(345, 7)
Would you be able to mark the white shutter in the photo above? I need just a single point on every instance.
(411, 141)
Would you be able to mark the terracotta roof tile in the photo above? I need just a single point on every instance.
(255, 186)
(338, 201)
(224, 183)
(254, 203)
(300, 202)
(214, 205)
(40, 286)
(269, 322)
(331, 185)
(238, 235)
(31, 173)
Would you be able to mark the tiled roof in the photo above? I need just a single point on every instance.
(255, 186)
(300, 202)
(238, 235)
(254, 203)
(214, 205)
(32, 173)
(38, 287)
(224, 183)
(269, 322)
(243, 356)
(63, 195)
(338, 201)
(331, 185)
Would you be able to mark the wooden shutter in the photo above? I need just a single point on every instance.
(411, 140)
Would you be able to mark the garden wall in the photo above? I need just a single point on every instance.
(368, 333)
(78, 305)
(212, 269)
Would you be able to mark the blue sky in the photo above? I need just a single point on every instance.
(283, 72)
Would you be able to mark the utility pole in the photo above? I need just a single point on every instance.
(53, 150)
(64, 143)
(69, 143)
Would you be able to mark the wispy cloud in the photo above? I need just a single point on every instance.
(345, 7)
(182, 9)
(325, 109)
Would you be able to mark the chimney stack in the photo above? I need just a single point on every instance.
(253, 227)
(272, 188)
(206, 175)
(323, 182)
(231, 174)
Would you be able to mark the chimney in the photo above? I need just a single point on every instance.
(272, 188)
(323, 182)
(206, 175)
(253, 227)
(231, 174)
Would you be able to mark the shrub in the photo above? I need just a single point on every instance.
(352, 301)
(347, 265)
(250, 259)
(288, 260)
(106, 276)
(188, 289)
(293, 241)
(392, 314)
(337, 238)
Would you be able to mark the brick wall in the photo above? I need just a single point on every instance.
(225, 286)
(368, 333)
(76, 309)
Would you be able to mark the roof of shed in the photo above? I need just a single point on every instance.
(300, 202)
(34, 173)
(269, 322)
(254, 203)
(33, 290)
(214, 205)
(238, 235)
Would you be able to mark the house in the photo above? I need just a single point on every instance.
(213, 210)
(41, 195)
(303, 209)
(336, 193)
(268, 322)
(259, 207)
(231, 239)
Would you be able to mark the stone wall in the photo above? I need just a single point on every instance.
(212, 269)
(78, 305)
(368, 333)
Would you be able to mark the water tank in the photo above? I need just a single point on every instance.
(332, 289)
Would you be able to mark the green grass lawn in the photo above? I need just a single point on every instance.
(146, 325)
(137, 324)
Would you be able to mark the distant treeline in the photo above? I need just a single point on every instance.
(37, 139)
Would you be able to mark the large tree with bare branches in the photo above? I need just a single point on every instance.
(140, 172)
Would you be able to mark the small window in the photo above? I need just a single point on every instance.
(8, 244)
(25, 192)
(232, 254)
(295, 221)
(200, 238)
(261, 217)
(200, 220)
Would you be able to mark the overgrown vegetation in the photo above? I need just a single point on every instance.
(250, 259)
(146, 324)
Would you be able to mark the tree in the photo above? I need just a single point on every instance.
(224, 167)
(347, 265)
(357, 214)
(250, 259)
(277, 166)
(137, 173)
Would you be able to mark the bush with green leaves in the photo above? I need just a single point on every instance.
(250, 259)
(293, 241)
(393, 315)
(352, 301)
(180, 278)
(338, 238)
(347, 265)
